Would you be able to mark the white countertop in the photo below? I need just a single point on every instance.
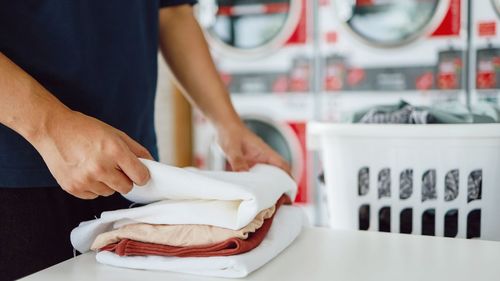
(325, 254)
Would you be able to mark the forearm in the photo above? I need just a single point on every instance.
(186, 52)
(26, 106)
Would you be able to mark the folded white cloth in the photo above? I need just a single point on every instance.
(286, 226)
(191, 196)
(263, 182)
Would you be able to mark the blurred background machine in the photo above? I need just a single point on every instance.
(485, 51)
(263, 52)
(380, 51)
(368, 52)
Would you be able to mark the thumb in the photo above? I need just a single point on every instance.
(139, 150)
(237, 160)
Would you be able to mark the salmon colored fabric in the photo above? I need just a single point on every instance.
(179, 235)
(229, 247)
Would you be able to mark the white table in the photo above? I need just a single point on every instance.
(324, 254)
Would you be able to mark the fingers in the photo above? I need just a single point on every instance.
(130, 164)
(261, 152)
(133, 169)
(117, 180)
(237, 160)
(86, 195)
(101, 189)
(253, 150)
(112, 181)
(135, 147)
(97, 160)
(276, 160)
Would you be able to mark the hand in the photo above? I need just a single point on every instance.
(89, 158)
(244, 149)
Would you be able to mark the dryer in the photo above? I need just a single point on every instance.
(485, 51)
(379, 51)
(262, 50)
(259, 46)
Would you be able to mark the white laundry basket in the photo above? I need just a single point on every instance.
(441, 180)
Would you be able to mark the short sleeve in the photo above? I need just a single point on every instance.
(170, 3)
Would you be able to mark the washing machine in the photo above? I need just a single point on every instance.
(485, 51)
(262, 50)
(380, 51)
(259, 46)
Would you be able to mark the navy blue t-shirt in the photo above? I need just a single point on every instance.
(97, 57)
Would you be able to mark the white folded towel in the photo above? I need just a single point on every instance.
(191, 196)
(286, 226)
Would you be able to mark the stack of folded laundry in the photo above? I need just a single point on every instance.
(225, 224)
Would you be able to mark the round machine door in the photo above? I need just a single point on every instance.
(278, 136)
(390, 23)
(249, 27)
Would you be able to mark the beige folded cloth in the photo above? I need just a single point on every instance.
(180, 235)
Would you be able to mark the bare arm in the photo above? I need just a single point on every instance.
(26, 106)
(96, 160)
(186, 52)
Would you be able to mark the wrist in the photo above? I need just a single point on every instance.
(38, 125)
(229, 124)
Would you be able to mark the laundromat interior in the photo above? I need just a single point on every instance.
(374, 123)
(290, 63)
